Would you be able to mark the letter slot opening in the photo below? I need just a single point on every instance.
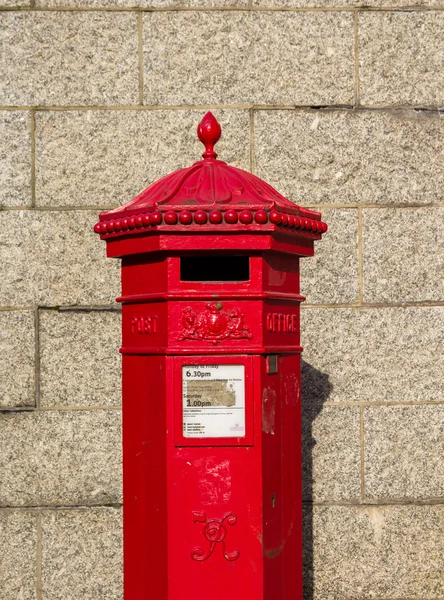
(214, 268)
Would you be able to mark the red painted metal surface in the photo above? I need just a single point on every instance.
(210, 281)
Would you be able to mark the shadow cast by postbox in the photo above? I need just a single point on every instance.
(316, 389)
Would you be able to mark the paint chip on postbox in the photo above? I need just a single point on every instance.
(213, 401)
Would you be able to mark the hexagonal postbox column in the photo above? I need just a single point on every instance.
(211, 383)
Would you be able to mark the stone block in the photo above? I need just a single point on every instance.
(15, 158)
(331, 453)
(82, 554)
(15, 3)
(69, 58)
(141, 3)
(17, 365)
(54, 258)
(349, 157)
(400, 57)
(332, 275)
(346, 3)
(403, 452)
(403, 254)
(105, 158)
(18, 541)
(373, 355)
(65, 458)
(80, 364)
(277, 58)
(374, 552)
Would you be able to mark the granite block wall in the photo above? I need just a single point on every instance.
(337, 103)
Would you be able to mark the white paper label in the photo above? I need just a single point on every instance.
(213, 401)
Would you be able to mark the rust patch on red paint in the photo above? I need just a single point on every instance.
(276, 551)
(268, 410)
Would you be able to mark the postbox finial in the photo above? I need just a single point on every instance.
(209, 132)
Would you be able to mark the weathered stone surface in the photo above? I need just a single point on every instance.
(366, 355)
(54, 258)
(248, 57)
(18, 542)
(80, 363)
(15, 158)
(82, 554)
(141, 3)
(348, 3)
(104, 158)
(348, 157)
(65, 458)
(403, 254)
(332, 275)
(12, 3)
(68, 58)
(331, 453)
(365, 553)
(403, 452)
(400, 56)
(17, 364)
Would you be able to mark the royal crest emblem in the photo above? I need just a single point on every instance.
(214, 324)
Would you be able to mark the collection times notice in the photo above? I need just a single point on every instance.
(213, 401)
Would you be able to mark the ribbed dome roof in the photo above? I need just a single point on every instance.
(210, 193)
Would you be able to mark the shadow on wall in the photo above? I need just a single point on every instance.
(316, 389)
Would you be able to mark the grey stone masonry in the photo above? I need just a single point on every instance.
(400, 56)
(332, 275)
(332, 464)
(54, 258)
(329, 4)
(373, 552)
(102, 158)
(403, 259)
(345, 157)
(374, 355)
(17, 364)
(60, 458)
(68, 58)
(82, 554)
(275, 58)
(18, 550)
(15, 158)
(141, 3)
(79, 359)
(15, 3)
(196, 4)
(406, 444)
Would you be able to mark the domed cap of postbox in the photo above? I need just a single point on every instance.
(210, 196)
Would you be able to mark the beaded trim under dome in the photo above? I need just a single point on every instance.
(209, 196)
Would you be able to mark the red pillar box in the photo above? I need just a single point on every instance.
(211, 383)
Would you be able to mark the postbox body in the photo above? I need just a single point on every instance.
(211, 386)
